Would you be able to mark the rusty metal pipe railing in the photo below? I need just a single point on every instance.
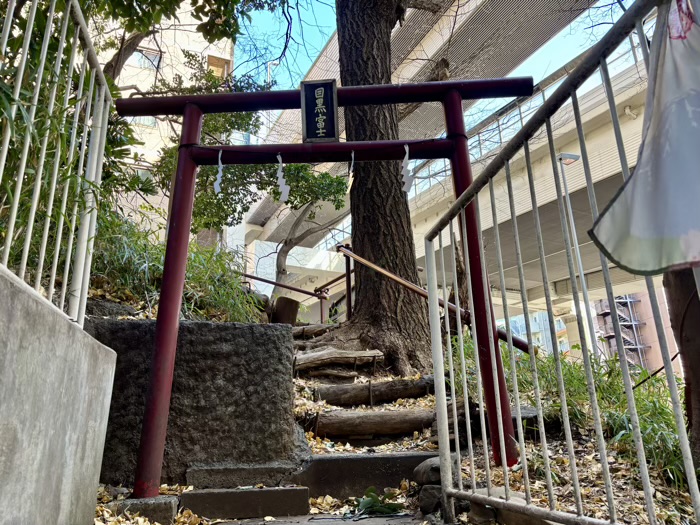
(319, 295)
(518, 343)
(332, 282)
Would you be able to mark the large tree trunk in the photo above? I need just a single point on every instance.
(386, 316)
(684, 310)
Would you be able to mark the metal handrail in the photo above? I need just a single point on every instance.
(333, 281)
(319, 295)
(518, 343)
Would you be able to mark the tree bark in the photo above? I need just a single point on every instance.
(114, 65)
(684, 311)
(380, 423)
(370, 393)
(386, 316)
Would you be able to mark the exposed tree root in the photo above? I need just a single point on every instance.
(402, 355)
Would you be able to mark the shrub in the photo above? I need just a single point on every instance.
(128, 261)
(653, 401)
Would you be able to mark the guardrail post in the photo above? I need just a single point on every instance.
(483, 314)
(155, 418)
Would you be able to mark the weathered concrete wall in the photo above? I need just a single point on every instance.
(232, 402)
(55, 387)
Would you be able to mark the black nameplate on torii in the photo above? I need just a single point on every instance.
(319, 111)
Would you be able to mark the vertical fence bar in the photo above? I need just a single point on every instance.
(495, 352)
(21, 170)
(643, 44)
(439, 374)
(81, 244)
(594, 213)
(663, 344)
(56, 169)
(19, 75)
(477, 357)
(93, 213)
(590, 380)
(6, 27)
(39, 175)
(78, 189)
(531, 348)
(634, 51)
(552, 328)
(511, 353)
(155, 421)
(482, 314)
(450, 363)
(577, 253)
(460, 343)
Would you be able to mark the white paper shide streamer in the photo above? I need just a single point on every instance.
(219, 176)
(406, 173)
(284, 188)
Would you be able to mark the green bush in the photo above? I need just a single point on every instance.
(128, 262)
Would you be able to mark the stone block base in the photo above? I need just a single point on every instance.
(247, 503)
(161, 509)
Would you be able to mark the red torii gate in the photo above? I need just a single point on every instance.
(191, 155)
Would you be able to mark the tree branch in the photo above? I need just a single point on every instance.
(318, 229)
(114, 66)
(292, 242)
(299, 220)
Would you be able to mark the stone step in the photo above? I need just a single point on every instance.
(344, 475)
(337, 475)
(247, 503)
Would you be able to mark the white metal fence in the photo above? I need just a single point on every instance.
(473, 477)
(54, 115)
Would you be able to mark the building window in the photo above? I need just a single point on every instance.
(146, 59)
(146, 121)
(221, 67)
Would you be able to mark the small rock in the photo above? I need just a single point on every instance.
(434, 519)
(115, 492)
(428, 472)
(429, 499)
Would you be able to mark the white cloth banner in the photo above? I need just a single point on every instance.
(653, 223)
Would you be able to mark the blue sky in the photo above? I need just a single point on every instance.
(312, 27)
(314, 24)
